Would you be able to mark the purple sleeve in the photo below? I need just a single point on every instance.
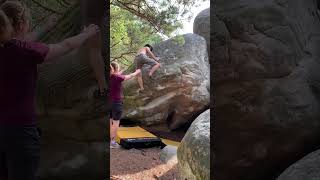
(120, 77)
(36, 51)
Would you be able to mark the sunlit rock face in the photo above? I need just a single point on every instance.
(180, 88)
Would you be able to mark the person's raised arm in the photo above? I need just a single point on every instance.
(151, 54)
(129, 76)
(69, 44)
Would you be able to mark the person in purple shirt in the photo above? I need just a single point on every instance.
(19, 57)
(116, 79)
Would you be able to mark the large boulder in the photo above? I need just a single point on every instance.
(266, 85)
(194, 150)
(307, 168)
(180, 88)
(73, 123)
(201, 25)
(168, 154)
(67, 159)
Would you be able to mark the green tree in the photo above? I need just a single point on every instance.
(137, 22)
(42, 9)
(164, 15)
(133, 23)
(128, 33)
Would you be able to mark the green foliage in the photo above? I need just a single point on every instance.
(164, 15)
(128, 33)
(133, 23)
(179, 40)
(41, 10)
(68, 25)
(137, 22)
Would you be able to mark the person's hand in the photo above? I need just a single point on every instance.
(52, 21)
(91, 30)
(138, 71)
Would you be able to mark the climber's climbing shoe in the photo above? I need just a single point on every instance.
(151, 77)
(141, 91)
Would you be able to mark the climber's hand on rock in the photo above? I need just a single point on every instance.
(91, 30)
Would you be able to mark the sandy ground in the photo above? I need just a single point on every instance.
(142, 164)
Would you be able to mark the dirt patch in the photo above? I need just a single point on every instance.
(142, 164)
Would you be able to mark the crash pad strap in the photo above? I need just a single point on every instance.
(135, 133)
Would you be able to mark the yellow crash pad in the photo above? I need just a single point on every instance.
(137, 132)
(133, 132)
(170, 142)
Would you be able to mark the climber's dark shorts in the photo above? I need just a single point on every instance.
(116, 110)
(19, 152)
(142, 59)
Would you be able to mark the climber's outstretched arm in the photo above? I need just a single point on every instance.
(151, 54)
(129, 76)
(97, 62)
(69, 44)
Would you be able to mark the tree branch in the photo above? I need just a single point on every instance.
(122, 56)
(46, 8)
(66, 2)
(116, 43)
(63, 3)
(39, 22)
(137, 12)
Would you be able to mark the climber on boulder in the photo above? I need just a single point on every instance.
(19, 58)
(143, 57)
(116, 79)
